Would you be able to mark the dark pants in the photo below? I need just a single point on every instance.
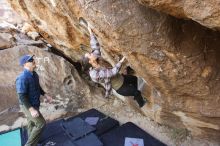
(130, 88)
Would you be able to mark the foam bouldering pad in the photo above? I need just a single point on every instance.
(104, 124)
(77, 128)
(117, 136)
(60, 139)
(88, 140)
(51, 129)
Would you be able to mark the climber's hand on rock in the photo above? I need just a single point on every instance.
(122, 60)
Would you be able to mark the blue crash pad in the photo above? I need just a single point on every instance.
(12, 138)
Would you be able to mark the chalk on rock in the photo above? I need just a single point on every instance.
(34, 35)
(49, 45)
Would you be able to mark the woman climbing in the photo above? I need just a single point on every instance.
(102, 72)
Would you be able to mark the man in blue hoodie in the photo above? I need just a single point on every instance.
(29, 92)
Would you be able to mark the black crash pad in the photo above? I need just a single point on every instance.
(104, 124)
(77, 128)
(117, 136)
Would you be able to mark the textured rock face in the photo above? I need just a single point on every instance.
(6, 40)
(179, 59)
(58, 77)
(7, 15)
(55, 22)
(206, 12)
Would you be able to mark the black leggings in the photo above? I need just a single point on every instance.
(130, 88)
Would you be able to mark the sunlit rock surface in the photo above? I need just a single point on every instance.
(178, 58)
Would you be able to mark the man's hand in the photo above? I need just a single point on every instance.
(49, 98)
(34, 112)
